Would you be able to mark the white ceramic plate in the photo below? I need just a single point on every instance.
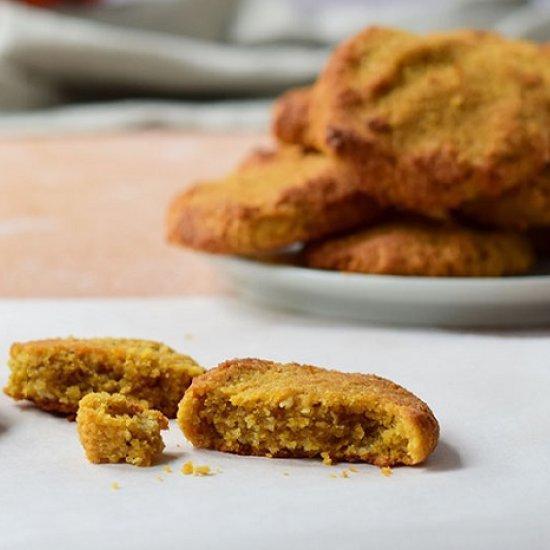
(506, 301)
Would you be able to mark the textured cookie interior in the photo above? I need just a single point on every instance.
(56, 374)
(113, 428)
(289, 412)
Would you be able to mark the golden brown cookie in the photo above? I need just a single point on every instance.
(434, 121)
(56, 374)
(273, 200)
(422, 248)
(256, 407)
(523, 207)
(114, 428)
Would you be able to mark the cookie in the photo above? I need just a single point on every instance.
(55, 374)
(256, 407)
(433, 121)
(424, 248)
(275, 199)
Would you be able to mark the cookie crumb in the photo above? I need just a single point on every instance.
(218, 470)
(327, 461)
(353, 469)
(167, 469)
(286, 474)
(333, 476)
(115, 486)
(344, 474)
(386, 471)
(201, 470)
(187, 468)
(159, 478)
(190, 469)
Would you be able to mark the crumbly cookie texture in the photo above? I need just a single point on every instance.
(55, 374)
(430, 121)
(424, 248)
(113, 428)
(273, 200)
(257, 407)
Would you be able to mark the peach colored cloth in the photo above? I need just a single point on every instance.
(84, 216)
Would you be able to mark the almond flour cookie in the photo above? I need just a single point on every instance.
(113, 428)
(423, 248)
(56, 374)
(433, 121)
(273, 200)
(256, 407)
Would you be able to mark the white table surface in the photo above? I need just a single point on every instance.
(486, 486)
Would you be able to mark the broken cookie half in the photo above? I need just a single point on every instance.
(55, 374)
(256, 407)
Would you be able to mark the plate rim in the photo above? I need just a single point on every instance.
(330, 275)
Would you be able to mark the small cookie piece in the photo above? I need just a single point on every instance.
(256, 407)
(55, 374)
(523, 207)
(273, 200)
(423, 248)
(433, 121)
(113, 428)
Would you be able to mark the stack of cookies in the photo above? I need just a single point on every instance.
(410, 155)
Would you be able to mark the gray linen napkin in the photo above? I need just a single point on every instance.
(197, 63)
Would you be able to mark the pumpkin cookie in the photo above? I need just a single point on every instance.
(423, 248)
(273, 200)
(256, 407)
(433, 121)
(56, 374)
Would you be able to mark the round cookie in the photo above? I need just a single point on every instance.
(273, 200)
(523, 207)
(434, 120)
(422, 248)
